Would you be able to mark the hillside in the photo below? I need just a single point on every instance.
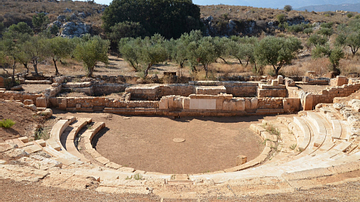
(275, 3)
(331, 7)
(241, 18)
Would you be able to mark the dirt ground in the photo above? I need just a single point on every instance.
(25, 121)
(32, 191)
(146, 143)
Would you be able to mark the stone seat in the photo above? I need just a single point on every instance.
(69, 144)
(320, 131)
(56, 132)
(305, 133)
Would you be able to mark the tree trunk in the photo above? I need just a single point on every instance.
(35, 62)
(26, 67)
(90, 72)
(276, 69)
(146, 72)
(223, 59)
(56, 69)
(13, 73)
(247, 62)
(240, 61)
(133, 65)
(206, 71)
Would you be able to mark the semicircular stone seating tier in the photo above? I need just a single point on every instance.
(301, 151)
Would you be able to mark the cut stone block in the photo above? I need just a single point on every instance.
(241, 159)
(202, 103)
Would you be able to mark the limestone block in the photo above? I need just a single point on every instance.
(186, 103)
(62, 103)
(47, 113)
(228, 105)
(308, 102)
(202, 103)
(78, 106)
(254, 103)
(241, 159)
(210, 90)
(28, 102)
(247, 104)
(171, 101)
(339, 81)
(291, 105)
(274, 82)
(41, 102)
(240, 105)
(32, 107)
(289, 82)
(280, 79)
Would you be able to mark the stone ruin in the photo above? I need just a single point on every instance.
(320, 141)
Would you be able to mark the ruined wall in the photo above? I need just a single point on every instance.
(18, 95)
(327, 95)
(265, 90)
(108, 88)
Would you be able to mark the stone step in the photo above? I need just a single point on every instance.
(305, 132)
(337, 129)
(70, 146)
(320, 128)
(56, 132)
(62, 157)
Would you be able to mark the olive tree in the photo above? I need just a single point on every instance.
(91, 52)
(277, 52)
(59, 47)
(349, 36)
(334, 55)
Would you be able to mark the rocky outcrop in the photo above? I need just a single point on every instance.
(72, 29)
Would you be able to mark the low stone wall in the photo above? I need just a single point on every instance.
(155, 92)
(18, 95)
(327, 95)
(265, 90)
(108, 88)
(97, 103)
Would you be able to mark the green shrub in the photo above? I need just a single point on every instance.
(281, 18)
(6, 123)
(350, 15)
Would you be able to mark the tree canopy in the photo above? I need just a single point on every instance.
(170, 18)
(277, 51)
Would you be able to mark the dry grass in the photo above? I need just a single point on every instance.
(16, 11)
(267, 14)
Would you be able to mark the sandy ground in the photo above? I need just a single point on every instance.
(33, 192)
(146, 143)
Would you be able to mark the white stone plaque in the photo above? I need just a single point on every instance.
(203, 104)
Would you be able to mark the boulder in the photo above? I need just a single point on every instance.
(31, 106)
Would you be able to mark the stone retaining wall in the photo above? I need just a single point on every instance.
(17, 95)
(327, 95)
(192, 105)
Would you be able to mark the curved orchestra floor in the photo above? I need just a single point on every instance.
(146, 143)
